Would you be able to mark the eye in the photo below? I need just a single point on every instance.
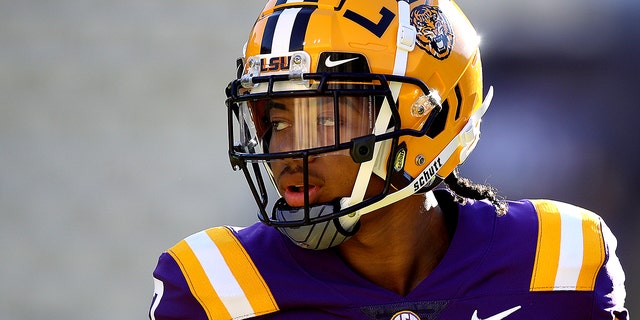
(326, 121)
(279, 125)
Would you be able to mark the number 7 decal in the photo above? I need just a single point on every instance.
(378, 28)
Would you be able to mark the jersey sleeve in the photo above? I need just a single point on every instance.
(576, 252)
(172, 298)
(209, 275)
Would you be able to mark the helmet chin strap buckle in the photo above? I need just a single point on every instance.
(350, 220)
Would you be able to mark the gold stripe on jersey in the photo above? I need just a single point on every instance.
(198, 281)
(570, 248)
(548, 248)
(222, 276)
(594, 240)
(244, 270)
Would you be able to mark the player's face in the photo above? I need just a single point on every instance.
(310, 122)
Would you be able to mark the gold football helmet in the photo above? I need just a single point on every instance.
(393, 86)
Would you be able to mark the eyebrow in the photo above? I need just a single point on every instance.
(274, 105)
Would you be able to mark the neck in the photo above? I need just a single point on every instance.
(397, 247)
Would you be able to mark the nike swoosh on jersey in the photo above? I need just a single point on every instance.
(498, 316)
(330, 64)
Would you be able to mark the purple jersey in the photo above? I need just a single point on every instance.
(542, 260)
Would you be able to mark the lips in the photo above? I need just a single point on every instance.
(291, 187)
(294, 195)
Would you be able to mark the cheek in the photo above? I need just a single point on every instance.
(344, 172)
(337, 171)
(276, 165)
(340, 174)
(343, 178)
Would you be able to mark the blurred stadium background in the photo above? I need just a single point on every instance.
(113, 134)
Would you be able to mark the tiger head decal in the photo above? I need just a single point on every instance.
(435, 35)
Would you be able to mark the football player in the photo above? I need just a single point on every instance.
(355, 112)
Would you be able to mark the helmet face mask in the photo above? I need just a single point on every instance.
(332, 119)
(334, 125)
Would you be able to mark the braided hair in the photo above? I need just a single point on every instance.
(464, 188)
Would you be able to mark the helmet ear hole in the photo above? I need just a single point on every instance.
(453, 103)
(440, 121)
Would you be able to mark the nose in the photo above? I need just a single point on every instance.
(294, 140)
(290, 165)
(293, 164)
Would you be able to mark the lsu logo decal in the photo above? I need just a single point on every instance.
(259, 65)
(274, 64)
(435, 35)
(267, 64)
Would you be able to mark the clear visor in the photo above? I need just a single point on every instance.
(286, 124)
